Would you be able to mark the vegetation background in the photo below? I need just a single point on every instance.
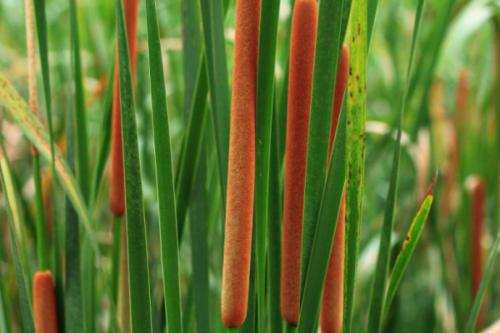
(450, 128)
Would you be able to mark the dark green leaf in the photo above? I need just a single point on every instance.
(140, 300)
(164, 177)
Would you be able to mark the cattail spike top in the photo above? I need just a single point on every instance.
(241, 166)
(302, 50)
(44, 303)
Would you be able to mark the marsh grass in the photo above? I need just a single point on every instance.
(392, 137)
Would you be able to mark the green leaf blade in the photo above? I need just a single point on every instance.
(264, 116)
(325, 70)
(139, 287)
(379, 282)
(213, 32)
(325, 230)
(32, 128)
(356, 118)
(164, 177)
(15, 219)
(409, 245)
(488, 274)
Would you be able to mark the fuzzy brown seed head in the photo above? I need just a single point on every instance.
(333, 292)
(241, 166)
(44, 303)
(302, 46)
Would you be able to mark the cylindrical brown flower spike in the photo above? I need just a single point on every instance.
(302, 46)
(333, 292)
(477, 193)
(44, 303)
(241, 165)
(462, 99)
(116, 182)
(332, 306)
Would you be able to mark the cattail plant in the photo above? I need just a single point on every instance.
(451, 170)
(33, 105)
(437, 114)
(333, 292)
(302, 45)
(462, 99)
(44, 303)
(117, 186)
(477, 193)
(276, 152)
(116, 179)
(241, 165)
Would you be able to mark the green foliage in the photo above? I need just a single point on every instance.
(138, 267)
(164, 177)
(397, 129)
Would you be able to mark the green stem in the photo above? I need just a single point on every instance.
(264, 117)
(41, 247)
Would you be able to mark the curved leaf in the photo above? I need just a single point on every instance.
(15, 220)
(355, 156)
(409, 245)
(32, 128)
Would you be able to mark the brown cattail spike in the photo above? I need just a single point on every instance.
(117, 186)
(302, 45)
(44, 303)
(241, 165)
(477, 192)
(333, 292)
(462, 99)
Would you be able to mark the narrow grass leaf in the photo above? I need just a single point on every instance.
(199, 248)
(355, 156)
(81, 157)
(372, 12)
(422, 80)
(409, 245)
(264, 115)
(33, 104)
(191, 48)
(190, 150)
(213, 31)
(4, 312)
(15, 216)
(325, 70)
(488, 274)
(164, 177)
(379, 282)
(104, 138)
(346, 13)
(73, 313)
(41, 27)
(275, 218)
(324, 233)
(80, 119)
(138, 269)
(41, 248)
(192, 141)
(32, 128)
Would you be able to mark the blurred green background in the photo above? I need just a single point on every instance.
(458, 39)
